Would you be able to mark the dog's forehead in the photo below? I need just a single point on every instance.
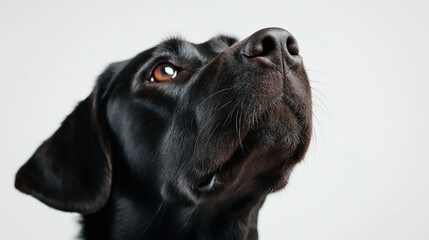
(197, 52)
(219, 43)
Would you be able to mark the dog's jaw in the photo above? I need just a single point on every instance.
(268, 126)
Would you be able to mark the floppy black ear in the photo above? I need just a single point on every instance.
(71, 171)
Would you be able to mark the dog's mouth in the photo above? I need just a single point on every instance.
(218, 179)
(226, 173)
(230, 173)
(279, 136)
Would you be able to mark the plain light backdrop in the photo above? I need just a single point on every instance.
(366, 175)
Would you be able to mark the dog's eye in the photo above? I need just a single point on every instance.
(163, 72)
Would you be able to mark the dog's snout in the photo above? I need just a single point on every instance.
(275, 44)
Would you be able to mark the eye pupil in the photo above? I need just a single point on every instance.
(164, 72)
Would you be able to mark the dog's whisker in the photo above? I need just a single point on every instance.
(230, 114)
(320, 126)
(321, 83)
(238, 115)
(211, 134)
(324, 109)
(206, 124)
(212, 114)
(317, 71)
(317, 98)
(150, 222)
(319, 103)
(239, 135)
(317, 91)
(212, 95)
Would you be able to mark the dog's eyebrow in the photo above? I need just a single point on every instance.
(216, 45)
(177, 47)
(221, 42)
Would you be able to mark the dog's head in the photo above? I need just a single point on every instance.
(203, 122)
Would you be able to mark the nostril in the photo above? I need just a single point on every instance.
(292, 46)
(268, 46)
(259, 47)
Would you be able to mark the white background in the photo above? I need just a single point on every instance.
(366, 174)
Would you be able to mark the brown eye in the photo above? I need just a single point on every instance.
(164, 72)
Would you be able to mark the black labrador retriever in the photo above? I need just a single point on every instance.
(183, 141)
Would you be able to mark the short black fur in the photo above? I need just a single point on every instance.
(190, 158)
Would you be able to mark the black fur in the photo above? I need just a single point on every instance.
(190, 158)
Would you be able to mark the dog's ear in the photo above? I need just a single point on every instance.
(72, 170)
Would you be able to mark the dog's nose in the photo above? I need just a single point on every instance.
(274, 44)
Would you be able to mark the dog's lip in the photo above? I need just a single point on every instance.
(216, 179)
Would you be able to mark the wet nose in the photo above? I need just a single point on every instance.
(274, 44)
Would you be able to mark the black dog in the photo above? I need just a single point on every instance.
(183, 141)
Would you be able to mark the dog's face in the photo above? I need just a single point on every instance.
(203, 122)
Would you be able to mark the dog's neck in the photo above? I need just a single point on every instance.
(129, 215)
